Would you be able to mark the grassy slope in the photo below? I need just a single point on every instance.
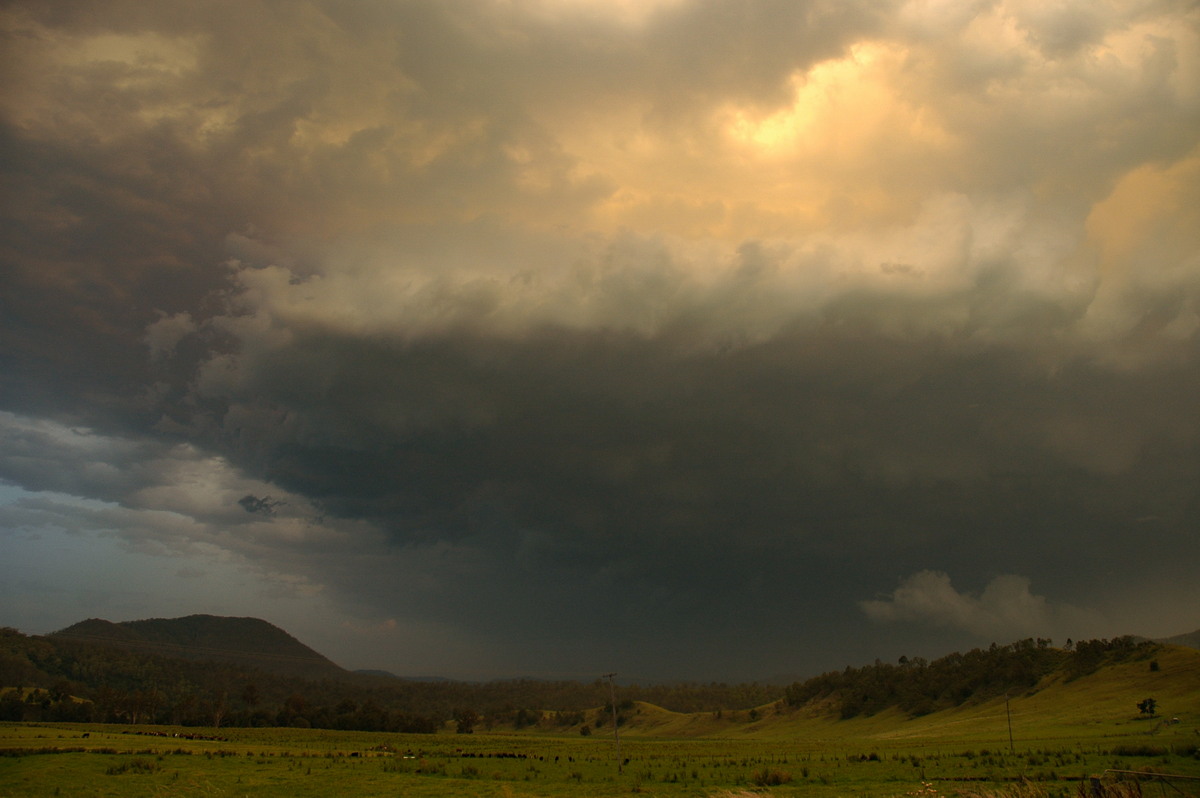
(1098, 705)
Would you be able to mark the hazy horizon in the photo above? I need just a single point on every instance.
(781, 679)
(687, 339)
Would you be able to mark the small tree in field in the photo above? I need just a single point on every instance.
(465, 720)
(1148, 706)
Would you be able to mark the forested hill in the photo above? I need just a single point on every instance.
(244, 641)
(918, 687)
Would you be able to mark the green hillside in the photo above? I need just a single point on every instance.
(1103, 703)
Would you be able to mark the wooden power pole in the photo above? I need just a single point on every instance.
(612, 693)
(1011, 748)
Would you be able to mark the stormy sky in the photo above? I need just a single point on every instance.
(687, 339)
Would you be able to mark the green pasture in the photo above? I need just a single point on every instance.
(57, 759)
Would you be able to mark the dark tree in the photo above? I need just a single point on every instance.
(465, 720)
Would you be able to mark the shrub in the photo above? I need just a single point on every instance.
(133, 766)
(1139, 750)
(771, 777)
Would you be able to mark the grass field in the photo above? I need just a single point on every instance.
(1062, 734)
(47, 759)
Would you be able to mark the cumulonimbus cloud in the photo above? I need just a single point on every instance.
(535, 309)
(1005, 608)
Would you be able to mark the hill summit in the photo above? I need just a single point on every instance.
(243, 641)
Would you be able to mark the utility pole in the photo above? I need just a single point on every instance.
(612, 692)
(1008, 712)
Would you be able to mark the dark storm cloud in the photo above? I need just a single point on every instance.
(642, 487)
(675, 324)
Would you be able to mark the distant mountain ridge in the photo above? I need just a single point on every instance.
(243, 641)
(1191, 640)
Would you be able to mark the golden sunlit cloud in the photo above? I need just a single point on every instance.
(625, 12)
(841, 109)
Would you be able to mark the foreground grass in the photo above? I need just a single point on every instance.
(58, 759)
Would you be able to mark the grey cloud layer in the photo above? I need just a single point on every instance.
(550, 324)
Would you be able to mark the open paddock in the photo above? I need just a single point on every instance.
(91, 760)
